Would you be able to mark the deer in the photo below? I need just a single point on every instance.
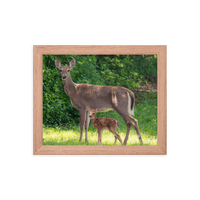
(84, 96)
(101, 123)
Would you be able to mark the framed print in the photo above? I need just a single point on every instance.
(99, 100)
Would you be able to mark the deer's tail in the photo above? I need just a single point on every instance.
(131, 102)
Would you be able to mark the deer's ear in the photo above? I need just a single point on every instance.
(58, 64)
(72, 63)
(98, 109)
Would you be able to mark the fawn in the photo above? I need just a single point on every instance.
(101, 123)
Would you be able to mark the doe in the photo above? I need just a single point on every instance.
(117, 98)
(101, 123)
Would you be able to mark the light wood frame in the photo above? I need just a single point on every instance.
(40, 50)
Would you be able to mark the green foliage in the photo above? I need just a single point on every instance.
(116, 70)
(127, 70)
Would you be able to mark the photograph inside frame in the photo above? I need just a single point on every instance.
(99, 99)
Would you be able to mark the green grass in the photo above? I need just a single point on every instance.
(145, 113)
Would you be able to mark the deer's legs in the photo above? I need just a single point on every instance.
(137, 130)
(129, 120)
(116, 135)
(99, 136)
(115, 140)
(127, 133)
(119, 138)
(135, 124)
(82, 122)
(87, 121)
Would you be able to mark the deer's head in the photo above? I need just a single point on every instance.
(92, 113)
(65, 70)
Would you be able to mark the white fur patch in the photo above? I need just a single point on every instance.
(131, 112)
(116, 125)
(88, 121)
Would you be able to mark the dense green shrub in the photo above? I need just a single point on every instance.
(127, 70)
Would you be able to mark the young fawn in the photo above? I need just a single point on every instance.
(101, 123)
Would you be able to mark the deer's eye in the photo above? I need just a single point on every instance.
(93, 113)
(60, 70)
(68, 70)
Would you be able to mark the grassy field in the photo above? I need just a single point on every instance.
(145, 113)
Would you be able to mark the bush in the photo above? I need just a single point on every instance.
(127, 70)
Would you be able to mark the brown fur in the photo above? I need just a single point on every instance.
(101, 123)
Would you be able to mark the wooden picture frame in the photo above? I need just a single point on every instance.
(40, 149)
